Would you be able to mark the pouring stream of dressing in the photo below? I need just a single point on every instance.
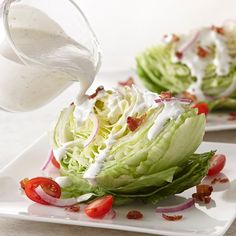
(45, 62)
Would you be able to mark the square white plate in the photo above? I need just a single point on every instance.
(216, 121)
(213, 219)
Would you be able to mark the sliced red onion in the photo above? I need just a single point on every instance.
(94, 132)
(110, 215)
(48, 161)
(180, 207)
(51, 171)
(62, 202)
(190, 42)
(182, 100)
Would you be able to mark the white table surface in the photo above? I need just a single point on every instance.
(114, 22)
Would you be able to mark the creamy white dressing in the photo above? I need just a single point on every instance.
(84, 107)
(60, 152)
(206, 39)
(171, 110)
(63, 181)
(54, 61)
(115, 107)
(95, 168)
(138, 105)
(141, 102)
(230, 89)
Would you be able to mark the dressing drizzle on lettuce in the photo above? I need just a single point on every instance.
(152, 161)
(201, 63)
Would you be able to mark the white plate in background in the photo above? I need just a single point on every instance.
(210, 220)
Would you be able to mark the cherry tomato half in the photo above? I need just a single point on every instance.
(217, 163)
(99, 207)
(202, 108)
(48, 185)
(23, 183)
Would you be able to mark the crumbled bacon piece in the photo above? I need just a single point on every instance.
(128, 82)
(215, 180)
(175, 38)
(172, 218)
(74, 208)
(179, 55)
(233, 113)
(100, 88)
(23, 183)
(203, 193)
(189, 96)
(220, 180)
(166, 94)
(134, 215)
(232, 116)
(201, 52)
(224, 180)
(133, 122)
(219, 30)
(171, 38)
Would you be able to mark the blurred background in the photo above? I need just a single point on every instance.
(124, 28)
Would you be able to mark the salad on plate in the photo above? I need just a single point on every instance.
(199, 65)
(123, 145)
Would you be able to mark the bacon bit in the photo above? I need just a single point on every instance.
(133, 123)
(175, 38)
(204, 189)
(128, 82)
(219, 180)
(100, 88)
(232, 116)
(23, 183)
(179, 55)
(233, 113)
(225, 180)
(172, 218)
(134, 215)
(74, 208)
(190, 96)
(201, 52)
(219, 30)
(166, 94)
(215, 180)
(203, 193)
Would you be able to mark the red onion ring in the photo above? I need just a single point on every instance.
(180, 207)
(48, 161)
(59, 202)
(190, 42)
(182, 100)
(110, 215)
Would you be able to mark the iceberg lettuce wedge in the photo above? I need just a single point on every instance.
(146, 163)
(201, 63)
